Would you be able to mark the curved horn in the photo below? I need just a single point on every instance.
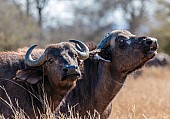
(105, 42)
(31, 62)
(81, 49)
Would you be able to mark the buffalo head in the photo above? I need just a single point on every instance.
(59, 62)
(126, 51)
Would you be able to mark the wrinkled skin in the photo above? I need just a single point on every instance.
(24, 83)
(104, 73)
(57, 60)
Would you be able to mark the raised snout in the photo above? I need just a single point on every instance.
(149, 41)
(150, 45)
(71, 72)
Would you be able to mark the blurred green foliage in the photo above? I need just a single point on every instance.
(90, 23)
(162, 33)
(162, 30)
(16, 29)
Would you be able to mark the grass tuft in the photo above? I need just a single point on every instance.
(147, 97)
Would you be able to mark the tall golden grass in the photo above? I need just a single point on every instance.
(147, 97)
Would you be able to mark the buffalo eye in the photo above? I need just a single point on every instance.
(121, 41)
(51, 60)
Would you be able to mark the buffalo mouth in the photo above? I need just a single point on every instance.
(71, 77)
(151, 50)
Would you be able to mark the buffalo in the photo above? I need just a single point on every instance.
(160, 59)
(105, 72)
(28, 84)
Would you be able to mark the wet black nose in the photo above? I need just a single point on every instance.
(70, 69)
(150, 41)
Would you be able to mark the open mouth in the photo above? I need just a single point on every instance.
(151, 50)
(71, 77)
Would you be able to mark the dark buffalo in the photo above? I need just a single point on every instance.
(11, 62)
(160, 59)
(119, 54)
(27, 85)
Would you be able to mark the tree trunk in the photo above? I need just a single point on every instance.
(27, 7)
(40, 17)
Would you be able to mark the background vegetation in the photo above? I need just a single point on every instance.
(146, 97)
(26, 22)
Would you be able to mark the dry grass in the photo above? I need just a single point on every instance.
(147, 97)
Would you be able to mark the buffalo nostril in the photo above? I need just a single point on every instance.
(76, 67)
(148, 42)
(70, 68)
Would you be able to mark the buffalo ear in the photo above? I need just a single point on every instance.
(106, 54)
(28, 75)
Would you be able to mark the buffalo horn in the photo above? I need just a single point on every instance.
(31, 62)
(81, 49)
(105, 42)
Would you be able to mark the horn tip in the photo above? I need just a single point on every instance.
(34, 45)
(72, 40)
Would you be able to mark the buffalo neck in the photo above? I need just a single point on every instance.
(108, 83)
(55, 93)
(99, 85)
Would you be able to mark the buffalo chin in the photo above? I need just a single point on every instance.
(151, 51)
(71, 77)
